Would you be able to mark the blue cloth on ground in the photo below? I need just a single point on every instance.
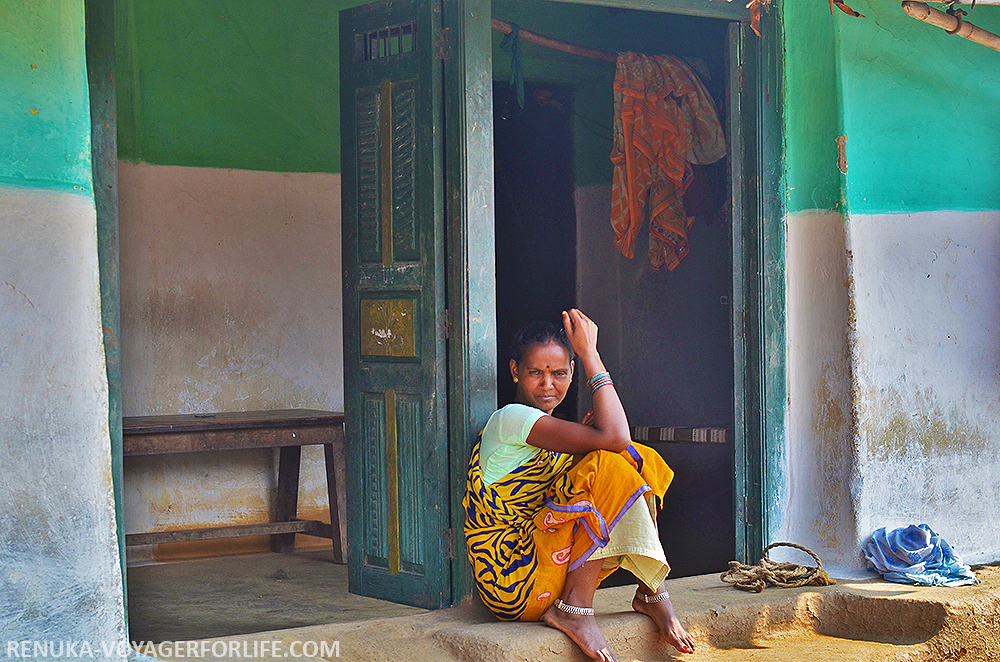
(916, 555)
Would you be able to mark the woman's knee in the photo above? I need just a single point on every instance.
(610, 461)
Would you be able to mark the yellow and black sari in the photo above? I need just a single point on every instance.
(549, 516)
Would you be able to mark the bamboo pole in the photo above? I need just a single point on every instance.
(953, 24)
(556, 44)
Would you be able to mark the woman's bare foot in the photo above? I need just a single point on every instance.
(663, 614)
(583, 630)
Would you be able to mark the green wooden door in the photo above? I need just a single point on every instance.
(394, 301)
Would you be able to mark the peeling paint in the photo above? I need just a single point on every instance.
(820, 414)
(898, 436)
(835, 454)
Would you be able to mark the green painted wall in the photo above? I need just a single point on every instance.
(812, 107)
(606, 29)
(921, 110)
(254, 85)
(918, 108)
(250, 84)
(44, 106)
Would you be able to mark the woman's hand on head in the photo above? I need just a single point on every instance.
(607, 428)
(581, 331)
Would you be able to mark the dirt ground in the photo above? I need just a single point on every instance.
(851, 621)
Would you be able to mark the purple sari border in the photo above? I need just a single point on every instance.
(635, 456)
(582, 510)
(590, 550)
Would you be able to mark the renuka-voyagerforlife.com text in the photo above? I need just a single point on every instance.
(221, 648)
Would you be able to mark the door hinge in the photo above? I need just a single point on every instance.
(442, 44)
(448, 543)
(445, 323)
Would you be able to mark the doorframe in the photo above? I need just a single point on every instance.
(99, 37)
(758, 318)
(471, 263)
(758, 286)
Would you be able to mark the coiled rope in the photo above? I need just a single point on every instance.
(770, 573)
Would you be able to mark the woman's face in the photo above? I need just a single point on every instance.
(543, 376)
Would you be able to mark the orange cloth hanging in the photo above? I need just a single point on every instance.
(665, 120)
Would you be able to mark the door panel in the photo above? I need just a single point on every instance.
(394, 276)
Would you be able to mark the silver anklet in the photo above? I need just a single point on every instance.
(570, 609)
(656, 597)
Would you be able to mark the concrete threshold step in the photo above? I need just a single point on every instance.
(853, 620)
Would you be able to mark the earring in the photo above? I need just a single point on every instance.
(515, 380)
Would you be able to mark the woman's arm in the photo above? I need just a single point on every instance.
(609, 428)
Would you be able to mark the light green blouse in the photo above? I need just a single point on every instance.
(505, 446)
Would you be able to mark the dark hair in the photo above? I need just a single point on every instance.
(538, 333)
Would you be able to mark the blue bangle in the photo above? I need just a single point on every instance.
(594, 390)
(602, 379)
(597, 377)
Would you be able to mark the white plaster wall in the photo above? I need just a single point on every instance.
(231, 301)
(60, 578)
(893, 380)
(818, 512)
(927, 368)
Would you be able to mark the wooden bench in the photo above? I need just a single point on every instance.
(287, 430)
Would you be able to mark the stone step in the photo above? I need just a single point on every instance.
(853, 620)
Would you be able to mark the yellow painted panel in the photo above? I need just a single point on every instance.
(387, 328)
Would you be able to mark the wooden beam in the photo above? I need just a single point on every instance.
(952, 24)
(555, 44)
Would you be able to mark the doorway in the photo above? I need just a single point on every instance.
(535, 217)
(667, 337)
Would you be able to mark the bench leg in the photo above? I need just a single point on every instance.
(287, 505)
(331, 488)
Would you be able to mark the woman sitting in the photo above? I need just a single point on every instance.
(553, 507)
